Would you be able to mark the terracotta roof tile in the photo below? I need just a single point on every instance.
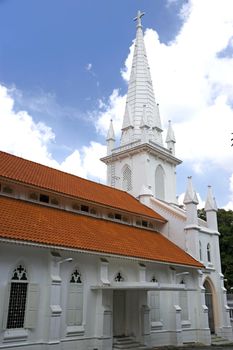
(25, 221)
(27, 172)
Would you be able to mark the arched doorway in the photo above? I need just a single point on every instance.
(209, 304)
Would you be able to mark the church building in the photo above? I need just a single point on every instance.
(118, 266)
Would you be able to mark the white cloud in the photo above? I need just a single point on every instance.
(86, 163)
(229, 205)
(193, 83)
(88, 66)
(20, 135)
(114, 109)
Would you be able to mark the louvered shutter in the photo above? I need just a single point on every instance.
(75, 305)
(32, 306)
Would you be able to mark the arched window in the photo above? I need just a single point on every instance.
(127, 178)
(17, 299)
(22, 303)
(200, 251)
(160, 183)
(208, 253)
(75, 300)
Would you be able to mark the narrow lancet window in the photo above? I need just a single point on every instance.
(18, 297)
(160, 183)
(127, 178)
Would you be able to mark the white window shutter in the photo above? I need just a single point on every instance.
(6, 306)
(79, 311)
(155, 306)
(75, 305)
(32, 305)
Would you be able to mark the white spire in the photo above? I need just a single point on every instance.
(210, 204)
(140, 93)
(170, 139)
(190, 194)
(110, 138)
(111, 134)
(170, 133)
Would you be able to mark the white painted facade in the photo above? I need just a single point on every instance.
(156, 303)
(100, 320)
(153, 181)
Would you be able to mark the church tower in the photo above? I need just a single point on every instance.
(141, 162)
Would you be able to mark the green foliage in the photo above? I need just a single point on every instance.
(201, 214)
(225, 226)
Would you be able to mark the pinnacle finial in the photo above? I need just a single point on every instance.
(210, 204)
(138, 18)
(190, 195)
(170, 133)
(111, 134)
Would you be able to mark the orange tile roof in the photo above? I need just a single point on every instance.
(25, 221)
(31, 173)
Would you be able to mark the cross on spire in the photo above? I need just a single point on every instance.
(138, 18)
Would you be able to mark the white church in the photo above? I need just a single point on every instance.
(118, 266)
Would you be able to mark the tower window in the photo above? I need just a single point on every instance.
(160, 183)
(127, 179)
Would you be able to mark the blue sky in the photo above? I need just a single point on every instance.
(64, 67)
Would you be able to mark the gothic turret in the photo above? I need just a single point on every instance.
(110, 138)
(191, 227)
(211, 210)
(191, 202)
(170, 139)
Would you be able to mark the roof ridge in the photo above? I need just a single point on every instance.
(65, 172)
(41, 176)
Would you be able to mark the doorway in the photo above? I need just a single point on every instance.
(119, 313)
(209, 304)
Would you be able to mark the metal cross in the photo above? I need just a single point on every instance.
(138, 18)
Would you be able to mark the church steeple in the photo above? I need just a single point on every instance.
(140, 98)
(141, 163)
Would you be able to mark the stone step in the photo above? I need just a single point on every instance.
(126, 343)
(130, 345)
(217, 340)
